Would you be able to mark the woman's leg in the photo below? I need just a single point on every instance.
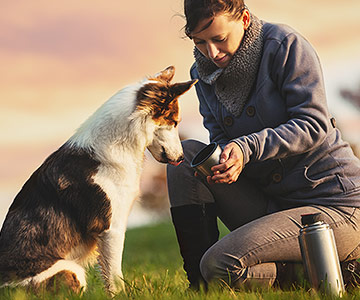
(193, 213)
(248, 255)
(195, 206)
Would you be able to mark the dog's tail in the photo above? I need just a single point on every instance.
(63, 272)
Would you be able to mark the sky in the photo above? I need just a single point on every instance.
(60, 60)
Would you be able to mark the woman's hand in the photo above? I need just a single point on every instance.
(230, 167)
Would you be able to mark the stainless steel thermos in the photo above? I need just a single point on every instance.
(319, 255)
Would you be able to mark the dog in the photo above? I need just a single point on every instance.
(73, 209)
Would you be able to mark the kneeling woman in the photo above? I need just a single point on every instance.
(262, 98)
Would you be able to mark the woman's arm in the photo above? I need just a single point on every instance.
(297, 73)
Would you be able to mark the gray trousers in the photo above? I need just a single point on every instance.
(262, 231)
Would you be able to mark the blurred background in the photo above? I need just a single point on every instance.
(61, 60)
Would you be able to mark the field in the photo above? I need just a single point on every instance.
(153, 270)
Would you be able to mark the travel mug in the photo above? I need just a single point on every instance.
(320, 256)
(206, 158)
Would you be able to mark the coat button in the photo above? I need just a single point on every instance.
(250, 111)
(228, 121)
(276, 177)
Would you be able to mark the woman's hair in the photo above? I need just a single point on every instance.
(197, 10)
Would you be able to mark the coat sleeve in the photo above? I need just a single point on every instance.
(297, 73)
(216, 133)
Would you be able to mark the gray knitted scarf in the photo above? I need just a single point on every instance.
(233, 83)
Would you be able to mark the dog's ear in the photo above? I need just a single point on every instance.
(158, 97)
(165, 75)
(178, 89)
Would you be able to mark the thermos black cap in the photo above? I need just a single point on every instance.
(310, 219)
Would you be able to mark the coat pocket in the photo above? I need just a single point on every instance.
(326, 183)
(299, 185)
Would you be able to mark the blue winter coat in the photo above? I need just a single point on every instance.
(291, 147)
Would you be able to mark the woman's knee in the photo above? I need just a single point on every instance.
(208, 267)
(216, 265)
(229, 269)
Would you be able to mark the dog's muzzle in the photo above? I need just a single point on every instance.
(166, 159)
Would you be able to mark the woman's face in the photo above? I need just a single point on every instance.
(219, 40)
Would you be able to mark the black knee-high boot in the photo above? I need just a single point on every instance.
(196, 230)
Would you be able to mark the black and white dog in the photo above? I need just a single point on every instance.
(73, 209)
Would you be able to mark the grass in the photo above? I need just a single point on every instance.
(153, 271)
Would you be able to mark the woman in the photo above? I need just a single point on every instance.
(262, 98)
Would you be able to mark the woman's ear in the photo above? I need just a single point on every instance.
(246, 19)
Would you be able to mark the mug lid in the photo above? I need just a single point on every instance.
(309, 219)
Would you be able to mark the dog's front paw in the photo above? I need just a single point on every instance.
(116, 285)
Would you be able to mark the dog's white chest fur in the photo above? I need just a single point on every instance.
(121, 185)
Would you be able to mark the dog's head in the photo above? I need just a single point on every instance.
(159, 98)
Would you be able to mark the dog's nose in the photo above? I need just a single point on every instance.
(178, 161)
(181, 158)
